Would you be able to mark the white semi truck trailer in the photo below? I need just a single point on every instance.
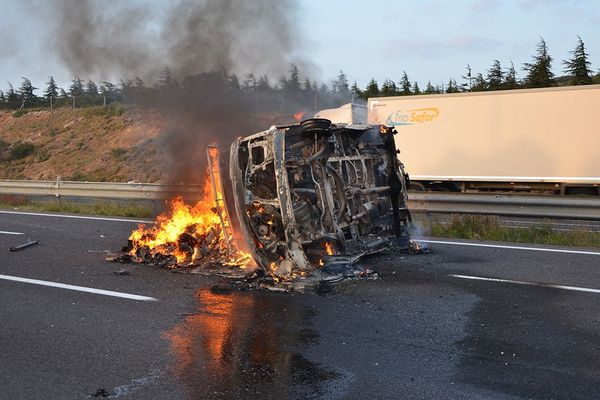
(535, 140)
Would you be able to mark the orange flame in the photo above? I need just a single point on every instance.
(201, 223)
(329, 249)
(299, 116)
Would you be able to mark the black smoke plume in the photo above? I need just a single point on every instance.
(194, 52)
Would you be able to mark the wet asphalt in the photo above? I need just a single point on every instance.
(415, 333)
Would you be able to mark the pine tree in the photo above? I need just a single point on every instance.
(307, 86)
(12, 98)
(579, 66)
(91, 89)
(479, 83)
(234, 83)
(110, 92)
(263, 84)
(495, 76)
(415, 88)
(452, 87)
(388, 88)
(2, 99)
(76, 88)
(51, 92)
(292, 84)
(404, 85)
(372, 89)
(429, 89)
(510, 77)
(356, 90)
(340, 85)
(468, 79)
(539, 72)
(28, 98)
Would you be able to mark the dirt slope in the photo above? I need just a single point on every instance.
(95, 144)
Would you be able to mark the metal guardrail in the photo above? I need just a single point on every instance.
(443, 203)
(507, 205)
(99, 190)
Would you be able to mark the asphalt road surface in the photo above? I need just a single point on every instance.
(472, 321)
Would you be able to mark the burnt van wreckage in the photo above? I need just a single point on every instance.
(317, 194)
(305, 201)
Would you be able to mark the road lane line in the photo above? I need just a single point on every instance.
(563, 287)
(10, 233)
(78, 288)
(138, 221)
(499, 246)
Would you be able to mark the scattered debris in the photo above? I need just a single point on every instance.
(415, 247)
(24, 245)
(101, 393)
(122, 272)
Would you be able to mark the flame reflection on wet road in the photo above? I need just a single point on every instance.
(242, 345)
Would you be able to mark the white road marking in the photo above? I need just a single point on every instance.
(78, 288)
(10, 233)
(500, 246)
(563, 287)
(77, 217)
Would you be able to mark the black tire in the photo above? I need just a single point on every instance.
(319, 126)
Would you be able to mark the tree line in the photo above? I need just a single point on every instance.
(538, 74)
(291, 92)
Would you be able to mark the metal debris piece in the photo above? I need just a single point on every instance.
(122, 272)
(414, 247)
(101, 393)
(24, 245)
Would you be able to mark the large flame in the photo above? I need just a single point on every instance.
(203, 227)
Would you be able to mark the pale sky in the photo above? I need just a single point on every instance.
(429, 39)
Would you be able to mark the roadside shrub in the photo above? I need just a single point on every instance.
(21, 150)
(3, 145)
(118, 153)
(20, 113)
(78, 176)
(41, 155)
(114, 110)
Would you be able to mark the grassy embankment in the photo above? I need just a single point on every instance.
(486, 227)
(108, 208)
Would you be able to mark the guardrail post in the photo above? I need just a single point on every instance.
(57, 191)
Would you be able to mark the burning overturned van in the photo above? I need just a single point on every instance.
(303, 197)
(306, 193)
